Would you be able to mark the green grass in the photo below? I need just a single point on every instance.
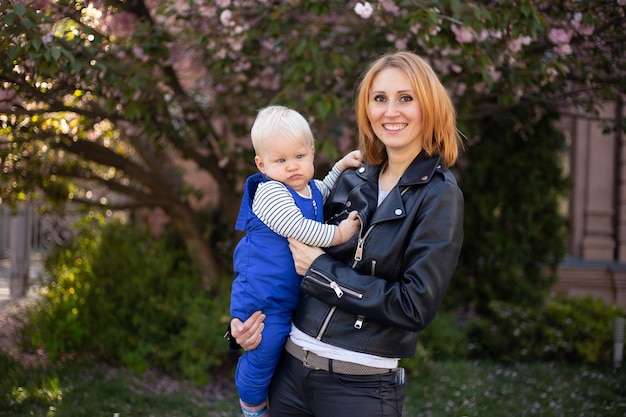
(494, 390)
(456, 389)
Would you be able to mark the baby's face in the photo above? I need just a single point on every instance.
(287, 160)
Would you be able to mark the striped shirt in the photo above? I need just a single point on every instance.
(275, 206)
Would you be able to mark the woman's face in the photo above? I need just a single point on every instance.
(394, 112)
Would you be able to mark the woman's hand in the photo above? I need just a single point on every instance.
(249, 333)
(303, 255)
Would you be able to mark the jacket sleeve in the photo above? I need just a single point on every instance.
(430, 256)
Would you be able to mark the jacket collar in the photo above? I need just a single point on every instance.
(420, 171)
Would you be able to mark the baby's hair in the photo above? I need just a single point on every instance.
(280, 122)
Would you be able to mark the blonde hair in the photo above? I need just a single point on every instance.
(440, 134)
(280, 122)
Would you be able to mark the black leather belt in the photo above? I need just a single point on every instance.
(313, 361)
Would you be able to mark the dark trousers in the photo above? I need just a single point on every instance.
(297, 391)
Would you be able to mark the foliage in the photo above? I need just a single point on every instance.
(103, 101)
(563, 329)
(444, 339)
(456, 388)
(87, 388)
(515, 232)
(124, 297)
(19, 390)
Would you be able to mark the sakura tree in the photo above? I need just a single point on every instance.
(104, 101)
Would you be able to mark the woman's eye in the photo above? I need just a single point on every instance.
(406, 98)
(379, 98)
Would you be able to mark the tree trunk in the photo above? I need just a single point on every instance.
(184, 220)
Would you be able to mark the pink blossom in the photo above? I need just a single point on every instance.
(463, 35)
(580, 28)
(434, 30)
(227, 18)
(563, 49)
(391, 7)
(515, 45)
(461, 89)
(493, 73)
(586, 30)
(401, 43)
(484, 34)
(560, 36)
(364, 9)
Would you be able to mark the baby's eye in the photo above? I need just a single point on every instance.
(300, 156)
(281, 160)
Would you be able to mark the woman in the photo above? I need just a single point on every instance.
(364, 302)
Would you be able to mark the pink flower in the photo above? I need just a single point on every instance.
(391, 7)
(364, 9)
(515, 45)
(226, 18)
(462, 35)
(560, 36)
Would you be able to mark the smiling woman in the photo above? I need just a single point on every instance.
(395, 118)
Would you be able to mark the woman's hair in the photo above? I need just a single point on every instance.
(279, 123)
(440, 134)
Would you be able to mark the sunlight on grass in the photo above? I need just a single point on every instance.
(438, 389)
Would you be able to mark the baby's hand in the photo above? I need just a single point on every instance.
(347, 228)
(351, 160)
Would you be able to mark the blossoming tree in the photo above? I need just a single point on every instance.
(107, 97)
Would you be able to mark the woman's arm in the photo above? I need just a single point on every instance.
(429, 257)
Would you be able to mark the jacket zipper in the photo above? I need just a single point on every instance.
(325, 324)
(358, 253)
(358, 256)
(339, 290)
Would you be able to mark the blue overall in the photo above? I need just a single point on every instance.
(266, 280)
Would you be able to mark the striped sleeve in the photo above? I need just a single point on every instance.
(329, 181)
(275, 206)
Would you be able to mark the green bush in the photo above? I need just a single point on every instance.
(515, 232)
(444, 339)
(563, 328)
(120, 295)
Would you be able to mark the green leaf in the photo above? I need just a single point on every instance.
(19, 9)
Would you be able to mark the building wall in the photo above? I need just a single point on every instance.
(596, 264)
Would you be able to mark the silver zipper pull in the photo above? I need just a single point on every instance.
(358, 254)
(338, 290)
(359, 322)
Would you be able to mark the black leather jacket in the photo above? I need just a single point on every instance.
(374, 293)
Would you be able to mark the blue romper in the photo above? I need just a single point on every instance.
(265, 279)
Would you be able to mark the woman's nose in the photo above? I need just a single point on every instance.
(392, 109)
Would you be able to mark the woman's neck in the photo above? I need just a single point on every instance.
(394, 169)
